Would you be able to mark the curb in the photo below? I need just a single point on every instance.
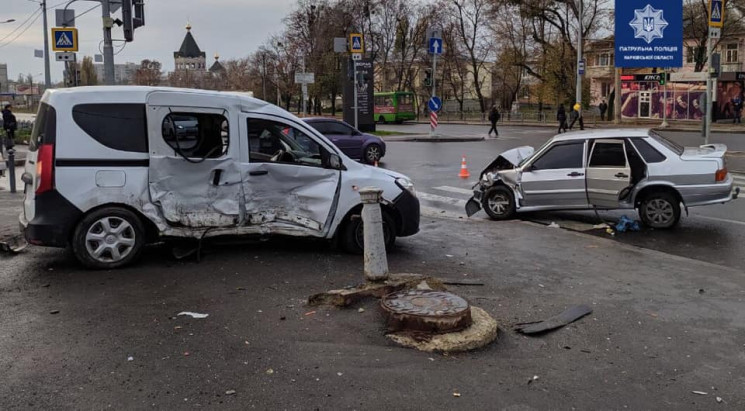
(428, 139)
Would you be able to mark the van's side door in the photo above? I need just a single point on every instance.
(608, 173)
(194, 180)
(287, 183)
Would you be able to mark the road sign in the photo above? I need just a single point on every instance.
(357, 56)
(64, 39)
(434, 104)
(581, 67)
(435, 45)
(65, 17)
(340, 44)
(716, 13)
(65, 56)
(305, 78)
(356, 44)
(715, 32)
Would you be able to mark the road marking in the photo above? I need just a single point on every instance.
(442, 199)
(456, 190)
(721, 220)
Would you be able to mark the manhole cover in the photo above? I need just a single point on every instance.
(426, 311)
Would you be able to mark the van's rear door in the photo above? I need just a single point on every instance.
(44, 132)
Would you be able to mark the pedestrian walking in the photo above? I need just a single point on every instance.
(603, 108)
(737, 106)
(9, 125)
(561, 117)
(493, 118)
(574, 116)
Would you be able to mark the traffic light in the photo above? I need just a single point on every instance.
(133, 16)
(427, 77)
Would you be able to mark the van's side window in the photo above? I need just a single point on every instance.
(270, 141)
(197, 135)
(117, 126)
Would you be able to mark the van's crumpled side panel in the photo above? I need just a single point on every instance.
(304, 197)
(186, 196)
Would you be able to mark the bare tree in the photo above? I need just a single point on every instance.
(149, 73)
(88, 76)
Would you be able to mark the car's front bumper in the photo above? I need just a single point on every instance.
(407, 206)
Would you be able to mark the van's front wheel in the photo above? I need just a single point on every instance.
(353, 234)
(108, 238)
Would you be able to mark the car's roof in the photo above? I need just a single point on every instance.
(602, 133)
(315, 119)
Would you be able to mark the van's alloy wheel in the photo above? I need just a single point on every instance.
(353, 234)
(660, 210)
(499, 203)
(108, 238)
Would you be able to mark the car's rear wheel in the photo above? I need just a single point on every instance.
(660, 210)
(353, 234)
(499, 203)
(108, 238)
(372, 153)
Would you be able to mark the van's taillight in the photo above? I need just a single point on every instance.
(45, 168)
(721, 175)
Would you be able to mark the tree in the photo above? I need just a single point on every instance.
(88, 76)
(149, 73)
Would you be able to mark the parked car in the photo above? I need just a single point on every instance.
(605, 169)
(110, 169)
(355, 144)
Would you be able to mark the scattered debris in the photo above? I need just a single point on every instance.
(54, 312)
(719, 400)
(282, 318)
(570, 315)
(178, 327)
(626, 224)
(701, 291)
(339, 374)
(186, 353)
(182, 251)
(530, 380)
(360, 310)
(601, 225)
(130, 358)
(456, 394)
(13, 244)
(464, 281)
(193, 315)
(586, 351)
(610, 231)
(269, 371)
(46, 285)
(241, 288)
(700, 392)
(553, 225)
(230, 392)
(310, 313)
(449, 255)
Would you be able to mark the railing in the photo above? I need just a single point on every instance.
(591, 117)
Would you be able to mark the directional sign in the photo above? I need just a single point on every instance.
(435, 45)
(65, 39)
(716, 13)
(581, 67)
(434, 104)
(356, 45)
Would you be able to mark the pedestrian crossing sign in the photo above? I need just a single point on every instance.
(65, 39)
(355, 43)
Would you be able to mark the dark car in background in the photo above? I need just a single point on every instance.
(355, 144)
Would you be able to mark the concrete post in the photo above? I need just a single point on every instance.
(12, 169)
(376, 260)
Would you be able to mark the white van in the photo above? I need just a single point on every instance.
(110, 169)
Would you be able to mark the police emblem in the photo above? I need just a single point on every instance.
(648, 24)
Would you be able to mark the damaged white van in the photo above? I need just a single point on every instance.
(112, 168)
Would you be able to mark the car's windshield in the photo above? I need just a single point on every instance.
(671, 145)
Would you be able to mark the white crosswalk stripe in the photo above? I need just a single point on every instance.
(739, 180)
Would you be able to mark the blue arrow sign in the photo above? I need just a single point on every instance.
(434, 104)
(435, 45)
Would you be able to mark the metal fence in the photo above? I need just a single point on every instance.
(591, 117)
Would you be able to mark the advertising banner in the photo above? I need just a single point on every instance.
(649, 33)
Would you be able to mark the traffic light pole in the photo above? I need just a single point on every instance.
(108, 47)
(47, 75)
(664, 102)
(708, 99)
(355, 85)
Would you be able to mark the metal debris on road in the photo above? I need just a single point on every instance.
(553, 225)
(310, 313)
(269, 371)
(456, 394)
(700, 392)
(230, 392)
(193, 315)
(130, 358)
(13, 245)
(360, 310)
(570, 315)
(719, 400)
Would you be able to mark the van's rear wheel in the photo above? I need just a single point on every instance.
(108, 238)
(353, 234)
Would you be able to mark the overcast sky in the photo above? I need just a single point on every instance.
(232, 28)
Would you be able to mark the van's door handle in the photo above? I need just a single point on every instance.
(216, 174)
(575, 174)
(258, 173)
(622, 175)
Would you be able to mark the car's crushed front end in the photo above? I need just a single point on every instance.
(503, 170)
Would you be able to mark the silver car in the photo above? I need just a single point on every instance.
(605, 169)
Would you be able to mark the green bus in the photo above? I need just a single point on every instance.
(395, 106)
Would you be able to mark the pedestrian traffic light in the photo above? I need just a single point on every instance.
(427, 77)
(663, 78)
(133, 16)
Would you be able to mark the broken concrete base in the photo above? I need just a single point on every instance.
(482, 332)
(395, 282)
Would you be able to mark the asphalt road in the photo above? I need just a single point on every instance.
(714, 233)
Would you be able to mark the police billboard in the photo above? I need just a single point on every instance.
(649, 33)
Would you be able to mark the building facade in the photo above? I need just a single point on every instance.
(189, 56)
(123, 73)
(3, 78)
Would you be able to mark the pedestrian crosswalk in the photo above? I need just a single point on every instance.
(739, 180)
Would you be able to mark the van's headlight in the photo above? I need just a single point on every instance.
(407, 185)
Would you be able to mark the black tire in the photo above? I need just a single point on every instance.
(372, 153)
(352, 234)
(117, 232)
(660, 210)
(499, 203)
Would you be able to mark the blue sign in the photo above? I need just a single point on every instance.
(65, 39)
(649, 33)
(434, 104)
(581, 67)
(435, 45)
(716, 13)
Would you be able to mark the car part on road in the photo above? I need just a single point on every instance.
(107, 238)
(499, 203)
(14, 244)
(660, 210)
(570, 315)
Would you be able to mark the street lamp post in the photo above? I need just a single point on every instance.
(47, 74)
(580, 17)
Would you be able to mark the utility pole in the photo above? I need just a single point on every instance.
(579, 58)
(108, 47)
(305, 91)
(708, 99)
(355, 85)
(47, 75)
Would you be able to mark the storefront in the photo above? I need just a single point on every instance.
(643, 97)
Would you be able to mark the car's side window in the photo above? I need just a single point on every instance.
(559, 156)
(339, 128)
(320, 126)
(608, 154)
(271, 141)
(649, 153)
(197, 135)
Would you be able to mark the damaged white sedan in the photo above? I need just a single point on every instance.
(112, 168)
(605, 169)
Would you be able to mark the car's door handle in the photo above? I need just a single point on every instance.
(258, 173)
(575, 174)
(216, 174)
(622, 175)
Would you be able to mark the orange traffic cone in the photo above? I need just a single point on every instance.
(464, 169)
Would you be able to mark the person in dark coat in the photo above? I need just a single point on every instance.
(603, 108)
(493, 118)
(561, 117)
(9, 125)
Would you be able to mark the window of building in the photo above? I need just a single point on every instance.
(117, 126)
(197, 135)
(691, 53)
(731, 53)
(605, 89)
(561, 156)
(603, 59)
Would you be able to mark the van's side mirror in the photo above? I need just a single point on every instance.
(334, 162)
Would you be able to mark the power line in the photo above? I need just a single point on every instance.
(21, 33)
(21, 25)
